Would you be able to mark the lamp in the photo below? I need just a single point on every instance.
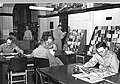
(1, 5)
(41, 8)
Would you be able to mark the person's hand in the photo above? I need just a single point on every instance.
(65, 32)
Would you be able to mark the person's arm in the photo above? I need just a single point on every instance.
(54, 47)
(33, 54)
(51, 58)
(62, 34)
(114, 64)
(92, 62)
(30, 35)
(18, 49)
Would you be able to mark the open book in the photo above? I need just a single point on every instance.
(92, 75)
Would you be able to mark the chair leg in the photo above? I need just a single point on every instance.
(41, 79)
(8, 77)
(26, 76)
(36, 77)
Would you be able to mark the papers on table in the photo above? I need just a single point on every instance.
(88, 78)
(69, 52)
(8, 57)
(92, 75)
(13, 53)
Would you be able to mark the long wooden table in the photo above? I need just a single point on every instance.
(4, 63)
(63, 75)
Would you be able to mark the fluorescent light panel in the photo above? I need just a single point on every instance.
(41, 8)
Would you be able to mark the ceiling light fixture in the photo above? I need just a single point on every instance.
(1, 5)
(41, 8)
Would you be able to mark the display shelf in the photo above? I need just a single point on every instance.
(75, 41)
(108, 34)
(46, 34)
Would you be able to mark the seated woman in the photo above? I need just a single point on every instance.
(10, 47)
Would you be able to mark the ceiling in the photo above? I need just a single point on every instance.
(68, 7)
(72, 7)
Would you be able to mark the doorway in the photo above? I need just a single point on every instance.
(22, 17)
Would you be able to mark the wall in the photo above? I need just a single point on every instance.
(100, 17)
(6, 22)
(45, 24)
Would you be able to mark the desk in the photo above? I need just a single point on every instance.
(4, 67)
(63, 74)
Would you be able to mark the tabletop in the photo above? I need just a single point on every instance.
(63, 74)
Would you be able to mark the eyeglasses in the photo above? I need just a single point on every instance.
(100, 51)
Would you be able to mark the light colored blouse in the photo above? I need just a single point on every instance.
(27, 35)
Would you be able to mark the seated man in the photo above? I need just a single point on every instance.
(42, 52)
(106, 58)
(10, 47)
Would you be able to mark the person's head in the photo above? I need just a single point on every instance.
(50, 39)
(9, 40)
(27, 28)
(59, 27)
(101, 48)
(42, 42)
(11, 34)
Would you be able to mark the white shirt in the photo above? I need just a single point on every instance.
(109, 62)
(27, 35)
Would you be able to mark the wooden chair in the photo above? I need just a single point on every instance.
(79, 58)
(17, 70)
(41, 63)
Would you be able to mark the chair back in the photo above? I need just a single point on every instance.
(41, 62)
(18, 64)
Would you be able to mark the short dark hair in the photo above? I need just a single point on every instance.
(10, 38)
(11, 33)
(59, 25)
(101, 44)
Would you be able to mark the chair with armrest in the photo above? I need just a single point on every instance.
(79, 57)
(41, 63)
(17, 71)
